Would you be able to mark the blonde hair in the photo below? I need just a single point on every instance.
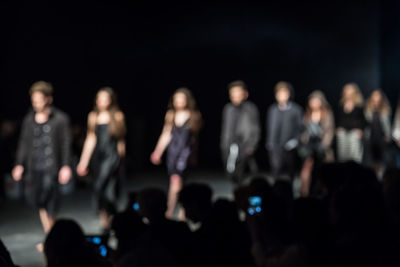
(358, 99)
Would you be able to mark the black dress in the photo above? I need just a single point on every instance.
(105, 162)
(179, 149)
(375, 145)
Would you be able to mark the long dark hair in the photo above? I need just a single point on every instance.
(190, 101)
(384, 106)
(195, 122)
(117, 129)
(325, 107)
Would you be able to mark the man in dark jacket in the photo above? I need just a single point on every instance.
(284, 125)
(43, 153)
(240, 132)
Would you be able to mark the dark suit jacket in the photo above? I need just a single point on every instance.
(290, 122)
(247, 128)
(60, 143)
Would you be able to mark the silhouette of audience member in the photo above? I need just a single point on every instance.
(221, 240)
(353, 220)
(270, 230)
(159, 242)
(229, 240)
(136, 247)
(310, 229)
(355, 205)
(128, 228)
(174, 236)
(391, 194)
(196, 200)
(5, 258)
(65, 245)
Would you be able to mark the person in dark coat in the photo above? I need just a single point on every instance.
(240, 132)
(284, 127)
(43, 153)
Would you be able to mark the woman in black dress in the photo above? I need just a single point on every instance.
(181, 127)
(104, 147)
(378, 133)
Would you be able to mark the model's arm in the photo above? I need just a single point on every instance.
(18, 170)
(121, 146)
(396, 126)
(88, 146)
(65, 173)
(296, 128)
(254, 131)
(269, 126)
(329, 131)
(164, 139)
(225, 134)
(65, 141)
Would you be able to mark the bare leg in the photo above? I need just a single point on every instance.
(47, 223)
(105, 219)
(305, 176)
(175, 185)
(182, 215)
(46, 220)
(379, 169)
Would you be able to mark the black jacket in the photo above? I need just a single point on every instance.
(60, 143)
(283, 126)
(246, 132)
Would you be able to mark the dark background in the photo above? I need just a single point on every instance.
(145, 50)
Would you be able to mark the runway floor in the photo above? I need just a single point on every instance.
(20, 227)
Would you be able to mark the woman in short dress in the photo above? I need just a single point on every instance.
(182, 124)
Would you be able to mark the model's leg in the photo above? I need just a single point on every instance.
(238, 175)
(45, 220)
(47, 223)
(289, 158)
(49, 201)
(253, 166)
(305, 176)
(104, 193)
(105, 219)
(276, 157)
(175, 185)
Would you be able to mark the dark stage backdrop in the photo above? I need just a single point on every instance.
(145, 50)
